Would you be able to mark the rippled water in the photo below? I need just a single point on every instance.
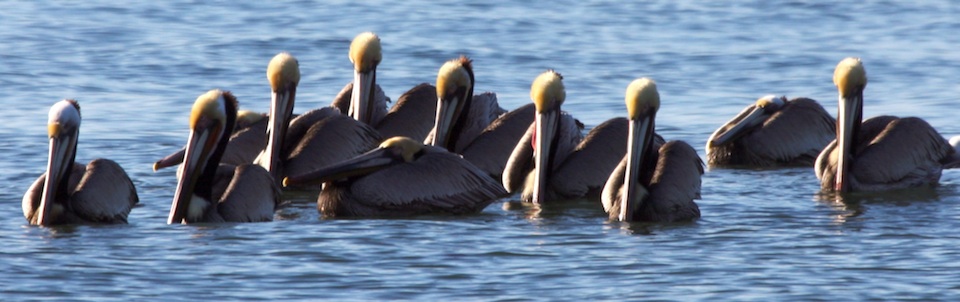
(764, 235)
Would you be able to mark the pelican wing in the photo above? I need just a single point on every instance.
(612, 192)
(251, 196)
(794, 135)
(245, 144)
(897, 150)
(520, 161)
(483, 110)
(591, 163)
(105, 193)
(437, 181)
(342, 102)
(330, 140)
(491, 149)
(413, 115)
(675, 184)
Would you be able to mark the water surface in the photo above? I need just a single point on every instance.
(765, 234)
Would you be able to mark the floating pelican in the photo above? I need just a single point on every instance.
(308, 142)
(773, 132)
(68, 192)
(402, 177)
(475, 125)
(552, 159)
(651, 183)
(208, 191)
(880, 153)
(411, 116)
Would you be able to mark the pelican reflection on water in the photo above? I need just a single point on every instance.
(655, 182)
(773, 132)
(402, 177)
(208, 191)
(69, 192)
(879, 153)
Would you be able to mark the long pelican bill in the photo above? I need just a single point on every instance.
(392, 151)
(207, 124)
(365, 54)
(747, 120)
(850, 78)
(643, 101)
(62, 128)
(548, 94)
(454, 87)
(284, 76)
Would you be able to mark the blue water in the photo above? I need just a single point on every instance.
(765, 234)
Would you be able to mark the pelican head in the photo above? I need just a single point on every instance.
(365, 54)
(393, 151)
(211, 121)
(63, 127)
(850, 78)
(284, 76)
(642, 101)
(547, 93)
(740, 125)
(454, 93)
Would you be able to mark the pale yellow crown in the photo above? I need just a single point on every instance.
(283, 69)
(642, 97)
(208, 105)
(547, 91)
(453, 74)
(850, 77)
(407, 146)
(365, 52)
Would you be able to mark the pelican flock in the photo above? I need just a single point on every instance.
(444, 149)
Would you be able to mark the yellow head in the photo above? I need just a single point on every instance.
(208, 105)
(850, 77)
(365, 52)
(547, 91)
(283, 69)
(402, 145)
(454, 73)
(642, 98)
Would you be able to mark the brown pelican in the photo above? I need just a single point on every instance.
(475, 125)
(552, 160)
(247, 141)
(208, 191)
(402, 177)
(411, 116)
(68, 192)
(308, 142)
(651, 183)
(881, 153)
(773, 132)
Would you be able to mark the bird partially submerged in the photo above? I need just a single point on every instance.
(402, 177)
(73, 193)
(773, 132)
(208, 191)
(880, 153)
(652, 183)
